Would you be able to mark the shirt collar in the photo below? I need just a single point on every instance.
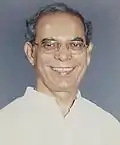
(43, 100)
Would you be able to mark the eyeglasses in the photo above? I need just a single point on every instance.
(75, 47)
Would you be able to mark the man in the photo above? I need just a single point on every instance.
(58, 46)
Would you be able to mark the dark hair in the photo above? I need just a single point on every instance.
(52, 8)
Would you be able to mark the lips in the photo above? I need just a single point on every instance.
(63, 70)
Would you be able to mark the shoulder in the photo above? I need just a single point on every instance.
(96, 111)
(13, 108)
(106, 123)
(19, 113)
(18, 105)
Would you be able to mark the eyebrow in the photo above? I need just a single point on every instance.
(53, 39)
(47, 39)
(78, 39)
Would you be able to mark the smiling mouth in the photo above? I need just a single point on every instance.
(63, 70)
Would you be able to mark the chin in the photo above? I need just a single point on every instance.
(63, 87)
(61, 84)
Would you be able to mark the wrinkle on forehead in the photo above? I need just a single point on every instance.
(60, 26)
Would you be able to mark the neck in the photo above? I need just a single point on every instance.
(64, 99)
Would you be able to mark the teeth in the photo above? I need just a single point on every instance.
(62, 70)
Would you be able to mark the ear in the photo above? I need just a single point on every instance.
(89, 52)
(30, 52)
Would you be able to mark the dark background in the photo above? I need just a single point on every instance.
(102, 80)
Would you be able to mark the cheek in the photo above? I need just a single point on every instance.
(80, 59)
(82, 65)
(43, 61)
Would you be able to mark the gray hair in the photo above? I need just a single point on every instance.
(53, 8)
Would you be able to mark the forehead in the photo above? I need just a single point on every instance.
(61, 26)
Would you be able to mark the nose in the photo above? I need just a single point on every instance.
(63, 55)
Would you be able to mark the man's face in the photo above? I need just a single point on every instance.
(60, 59)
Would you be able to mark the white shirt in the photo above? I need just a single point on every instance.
(35, 119)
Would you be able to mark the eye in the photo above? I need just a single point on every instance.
(76, 45)
(49, 45)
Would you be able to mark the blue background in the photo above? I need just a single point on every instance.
(101, 83)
